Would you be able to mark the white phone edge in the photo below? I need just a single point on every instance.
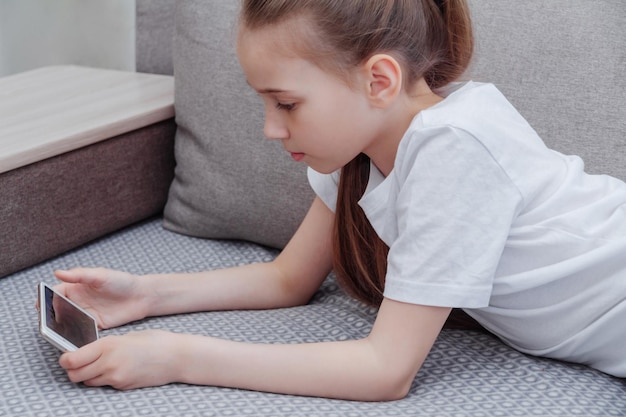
(49, 335)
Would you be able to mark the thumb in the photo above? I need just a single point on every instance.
(81, 357)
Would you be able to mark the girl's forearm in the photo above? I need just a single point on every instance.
(349, 370)
(290, 279)
(380, 367)
(255, 286)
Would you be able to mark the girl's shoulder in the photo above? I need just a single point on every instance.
(482, 129)
(470, 101)
(476, 112)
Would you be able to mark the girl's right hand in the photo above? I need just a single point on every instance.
(112, 297)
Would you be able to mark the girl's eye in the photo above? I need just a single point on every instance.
(285, 106)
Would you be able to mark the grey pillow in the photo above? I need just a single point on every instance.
(230, 181)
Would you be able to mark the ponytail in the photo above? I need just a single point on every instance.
(459, 46)
(360, 256)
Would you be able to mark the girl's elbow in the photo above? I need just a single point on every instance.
(392, 386)
(397, 389)
(384, 394)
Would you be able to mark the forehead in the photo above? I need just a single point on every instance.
(270, 57)
(282, 39)
(291, 45)
(263, 52)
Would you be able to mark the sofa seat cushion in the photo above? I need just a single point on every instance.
(467, 374)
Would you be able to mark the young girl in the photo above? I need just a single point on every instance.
(431, 195)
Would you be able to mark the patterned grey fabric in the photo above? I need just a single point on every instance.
(466, 374)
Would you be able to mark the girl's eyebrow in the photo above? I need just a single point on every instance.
(267, 90)
(271, 91)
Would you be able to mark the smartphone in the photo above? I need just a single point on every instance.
(63, 323)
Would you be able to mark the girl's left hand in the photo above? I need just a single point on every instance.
(134, 360)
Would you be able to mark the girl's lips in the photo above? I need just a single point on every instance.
(297, 156)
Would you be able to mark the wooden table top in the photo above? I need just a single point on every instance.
(53, 110)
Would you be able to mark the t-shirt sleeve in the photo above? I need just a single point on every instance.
(325, 186)
(453, 212)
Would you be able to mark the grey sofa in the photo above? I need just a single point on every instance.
(234, 199)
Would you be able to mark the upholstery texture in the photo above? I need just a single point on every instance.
(467, 374)
(230, 181)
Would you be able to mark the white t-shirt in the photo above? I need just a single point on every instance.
(479, 214)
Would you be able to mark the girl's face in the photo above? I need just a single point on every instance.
(319, 119)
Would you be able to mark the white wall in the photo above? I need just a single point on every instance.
(97, 33)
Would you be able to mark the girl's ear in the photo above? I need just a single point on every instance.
(383, 76)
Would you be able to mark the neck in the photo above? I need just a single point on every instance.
(397, 120)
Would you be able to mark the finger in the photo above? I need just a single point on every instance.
(98, 381)
(87, 375)
(81, 358)
(88, 276)
(70, 276)
(89, 371)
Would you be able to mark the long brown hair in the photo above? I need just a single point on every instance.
(432, 39)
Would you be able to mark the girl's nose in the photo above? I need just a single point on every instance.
(274, 127)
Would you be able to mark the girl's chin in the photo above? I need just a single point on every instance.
(321, 167)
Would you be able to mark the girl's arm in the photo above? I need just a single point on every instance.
(379, 367)
(116, 298)
(291, 279)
